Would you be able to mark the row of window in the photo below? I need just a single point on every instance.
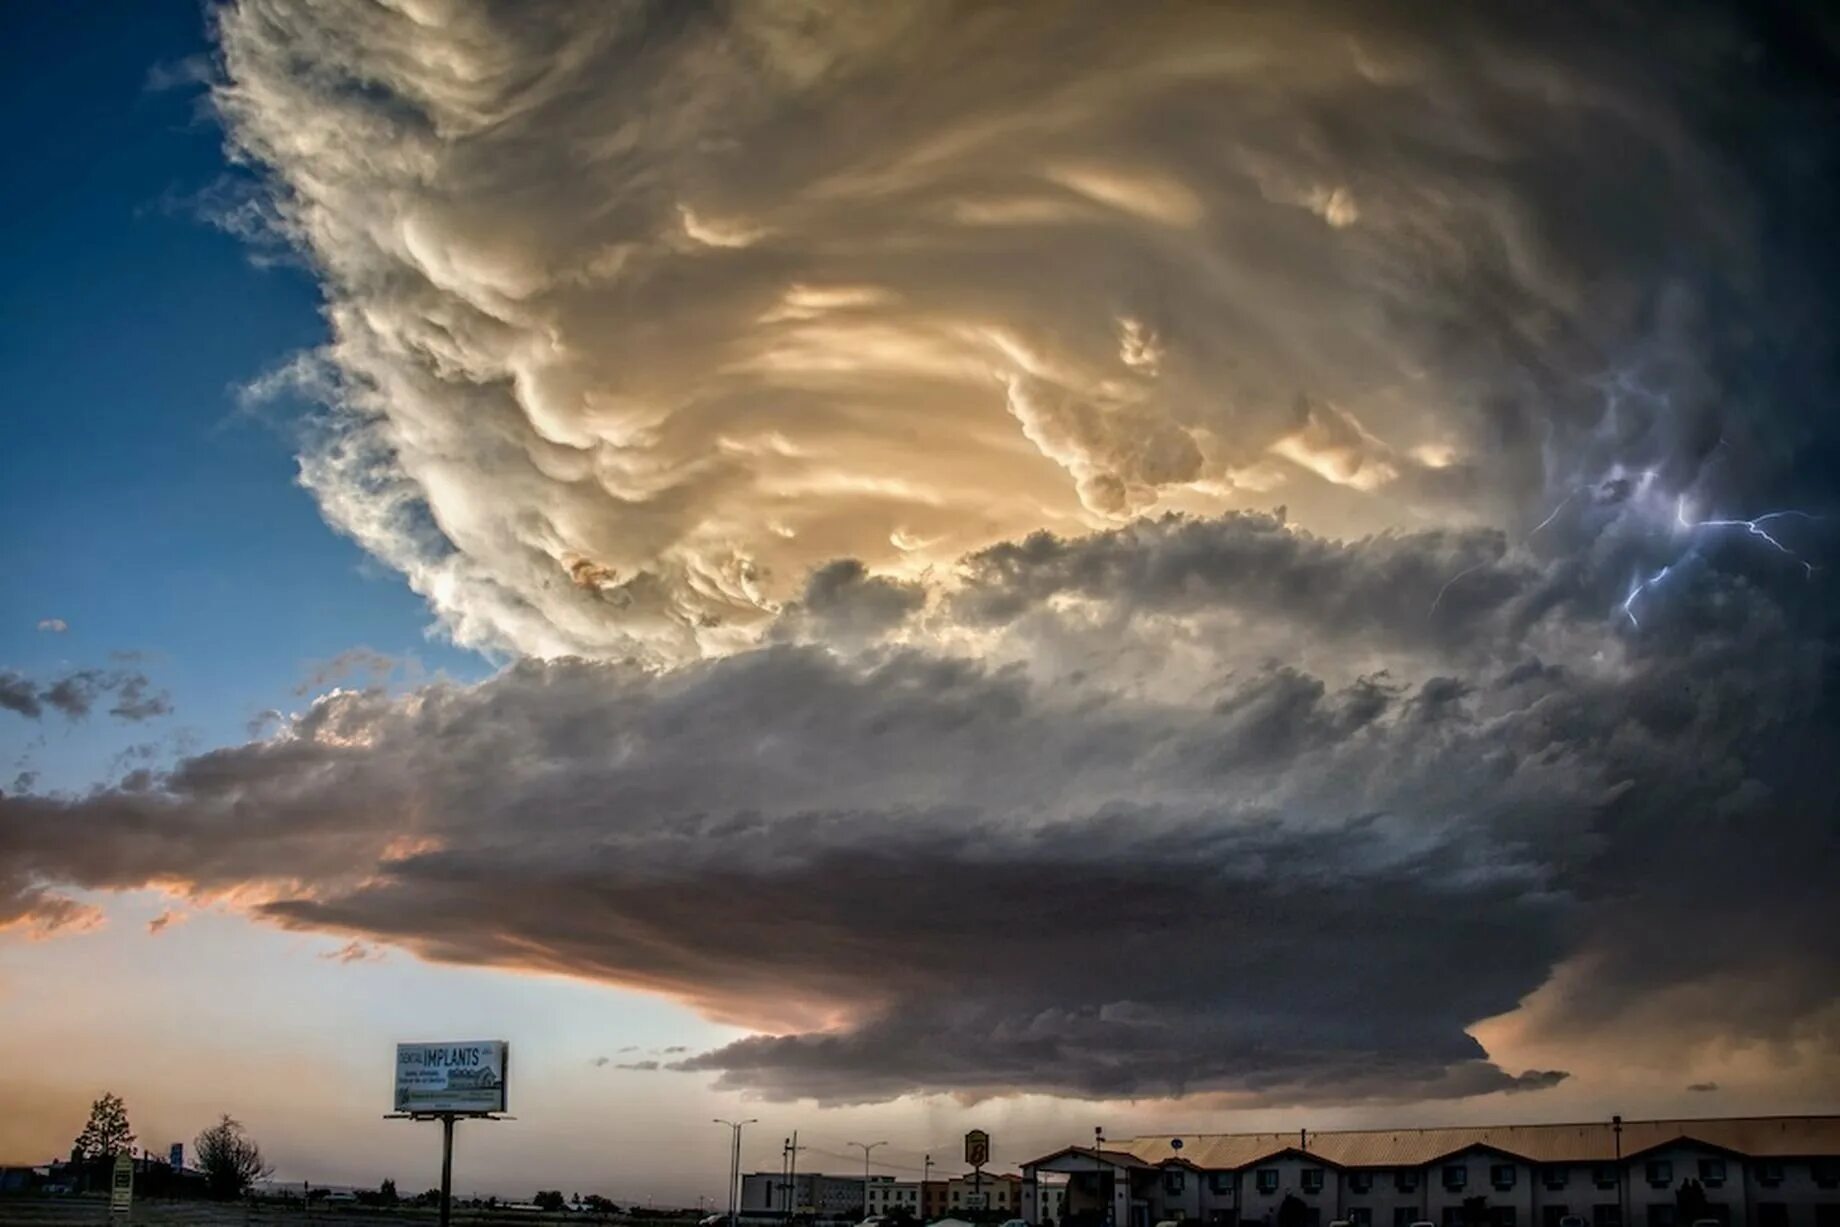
(1659, 1173)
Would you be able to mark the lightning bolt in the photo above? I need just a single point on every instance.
(1447, 583)
(1636, 591)
(1549, 519)
(1754, 527)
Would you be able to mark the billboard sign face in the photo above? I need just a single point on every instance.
(467, 1076)
(176, 1156)
(977, 1148)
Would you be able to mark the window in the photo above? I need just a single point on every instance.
(1312, 1179)
(1552, 1216)
(1360, 1216)
(1360, 1182)
(1712, 1172)
(1660, 1173)
(1456, 1176)
(1604, 1176)
(1501, 1216)
(1454, 1216)
(1769, 1175)
(1405, 1181)
(1661, 1214)
(1826, 1173)
(1501, 1175)
(1173, 1181)
(1610, 1215)
(1220, 1182)
(1555, 1175)
(1268, 1180)
(1404, 1216)
(1772, 1213)
(1827, 1214)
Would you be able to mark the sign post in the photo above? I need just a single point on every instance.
(977, 1154)
(448, 1081)
(121, 1188)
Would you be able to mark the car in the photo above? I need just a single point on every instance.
(1707, 1222)
(1577, 1220)
(1341, 1222)
(1015, 1222)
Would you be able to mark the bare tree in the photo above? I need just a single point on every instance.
(230, 1158)
(107, 1132)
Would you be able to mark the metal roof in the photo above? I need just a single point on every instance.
(1588, 1142)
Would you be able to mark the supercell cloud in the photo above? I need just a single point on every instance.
(1051, 553)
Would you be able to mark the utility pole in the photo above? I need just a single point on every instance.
(796, 1148)
(734, 1166)
(789, 1174)
(1622, 1185)
(1105, 1211)
(866, 1148)
(926, 1178)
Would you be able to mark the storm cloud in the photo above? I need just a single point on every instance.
(1216, 552)
(640, 313)
(1089, 885)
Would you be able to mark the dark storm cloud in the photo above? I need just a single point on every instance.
(75, 693)
(1086, 890)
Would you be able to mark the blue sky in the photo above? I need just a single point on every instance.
(142, 506)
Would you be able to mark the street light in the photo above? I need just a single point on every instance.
(866, 1148)
(734, 1165)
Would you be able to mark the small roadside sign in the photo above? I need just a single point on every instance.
(977, 1148)
(121, 1189)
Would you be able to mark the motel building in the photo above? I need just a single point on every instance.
(1771, 1171)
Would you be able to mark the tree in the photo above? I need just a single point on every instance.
(551, 1199)
(230, 1158)
(1292, 1212)
(386, 1192)
(107, 1132)
(1690, 1200)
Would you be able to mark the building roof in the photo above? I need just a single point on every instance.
(1119, 1155)
(1594, 1141)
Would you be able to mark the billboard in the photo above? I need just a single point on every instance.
(977, 1148)
(463, 1076)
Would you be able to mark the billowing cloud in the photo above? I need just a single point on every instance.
(639, 315)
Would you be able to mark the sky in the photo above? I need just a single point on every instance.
(891, 569)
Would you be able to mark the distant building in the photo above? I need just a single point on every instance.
(999, 1192)
(1772, 1171)
(886, 1195)
(813, 1193)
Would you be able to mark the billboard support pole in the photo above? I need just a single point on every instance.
(447, 1168)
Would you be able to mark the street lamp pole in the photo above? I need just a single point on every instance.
(734, 1166)
(866, 1148)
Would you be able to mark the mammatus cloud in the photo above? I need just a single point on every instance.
(639, 316)
(75, 693)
